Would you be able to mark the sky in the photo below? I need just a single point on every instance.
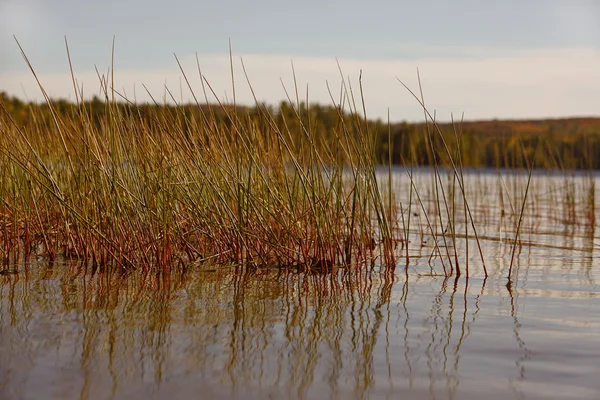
(487, 59)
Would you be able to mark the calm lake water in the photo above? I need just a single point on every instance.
(69, 332)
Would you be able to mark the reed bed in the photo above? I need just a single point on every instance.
(154, 189)
(155, 186)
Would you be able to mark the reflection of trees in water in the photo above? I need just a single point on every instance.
(300, 333)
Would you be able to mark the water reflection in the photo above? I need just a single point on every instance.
(68, 331)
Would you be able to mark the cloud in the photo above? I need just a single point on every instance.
(535, 84)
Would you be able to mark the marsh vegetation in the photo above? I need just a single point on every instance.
(300, 251)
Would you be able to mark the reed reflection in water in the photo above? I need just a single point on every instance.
(67, 332)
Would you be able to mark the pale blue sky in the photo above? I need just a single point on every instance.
(503, 59)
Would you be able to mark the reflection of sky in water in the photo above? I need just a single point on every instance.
(68, 333)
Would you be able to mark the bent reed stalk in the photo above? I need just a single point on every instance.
(153, 186)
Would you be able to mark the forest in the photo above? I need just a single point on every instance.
(570, 143)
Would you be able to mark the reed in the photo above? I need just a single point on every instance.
(435, 128)
(157, 186)
(530, 166)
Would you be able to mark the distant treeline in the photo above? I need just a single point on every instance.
(572, 143)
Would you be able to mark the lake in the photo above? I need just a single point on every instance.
(68, 330)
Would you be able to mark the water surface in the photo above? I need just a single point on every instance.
(67, 331)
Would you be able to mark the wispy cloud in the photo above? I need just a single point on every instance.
(534, 84)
